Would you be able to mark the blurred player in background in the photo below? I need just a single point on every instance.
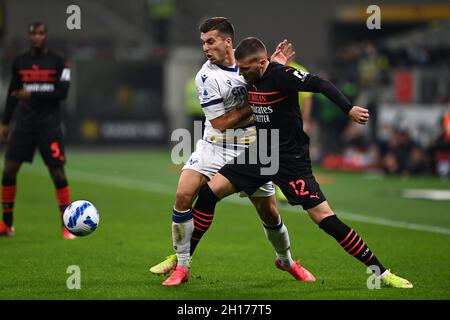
(223, 97)
(40, 80)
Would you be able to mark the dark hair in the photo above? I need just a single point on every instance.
(37, 24)
(249, 46)
(220, 24)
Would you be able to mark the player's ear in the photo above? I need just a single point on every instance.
(229, 42)
(262, 62)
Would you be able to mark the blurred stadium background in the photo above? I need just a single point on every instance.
(132, 65)
(132, 62)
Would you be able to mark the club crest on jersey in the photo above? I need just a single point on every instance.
(204, 77)
(193, 161)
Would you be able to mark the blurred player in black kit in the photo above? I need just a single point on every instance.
(40, 80)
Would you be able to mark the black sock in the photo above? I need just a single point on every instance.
(350, 241)
(203, 213)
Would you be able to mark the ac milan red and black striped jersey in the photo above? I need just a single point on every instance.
(274, 100)
(47, 77)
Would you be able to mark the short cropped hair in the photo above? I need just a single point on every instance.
(221, 24)
(249, 46)
(37, 24)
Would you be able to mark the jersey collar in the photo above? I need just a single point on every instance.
(233, 69)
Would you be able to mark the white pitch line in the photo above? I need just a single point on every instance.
(121, 182)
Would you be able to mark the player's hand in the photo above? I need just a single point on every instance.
(21, 94)
(4, 131)
(283, 52)
(359, 115)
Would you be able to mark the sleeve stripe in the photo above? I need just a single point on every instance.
(212, 102)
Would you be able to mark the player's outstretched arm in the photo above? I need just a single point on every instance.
(316, 84)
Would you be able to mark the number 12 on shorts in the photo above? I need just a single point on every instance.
(300, 183)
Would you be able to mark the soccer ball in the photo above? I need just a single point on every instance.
(81, 218)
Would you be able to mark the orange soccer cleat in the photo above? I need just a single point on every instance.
(297, 271)
(67, 235)
(180, 275)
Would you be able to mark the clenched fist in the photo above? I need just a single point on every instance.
(359, 115)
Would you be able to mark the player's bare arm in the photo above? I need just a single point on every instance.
(231, 119)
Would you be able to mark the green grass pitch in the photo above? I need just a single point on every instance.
(134, 192)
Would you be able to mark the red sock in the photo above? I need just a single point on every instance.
(8, 196)
(63, 195)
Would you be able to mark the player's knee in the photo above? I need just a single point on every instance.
(183, 200)
(10, 174)
(58, 177)
(272, 219)
(268, 212)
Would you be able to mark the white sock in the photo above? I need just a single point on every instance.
(181, 235)
(279, 237)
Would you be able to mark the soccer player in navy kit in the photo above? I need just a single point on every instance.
(273, 96)
(40, 80)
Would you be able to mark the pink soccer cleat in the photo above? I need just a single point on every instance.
(180, 275)
(6, 230)
(67, 235)
(297, 271)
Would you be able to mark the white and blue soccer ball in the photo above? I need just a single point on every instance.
(81, 218)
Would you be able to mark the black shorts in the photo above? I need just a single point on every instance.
(24, 140)
(294, 177)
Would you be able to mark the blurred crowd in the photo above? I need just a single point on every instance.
(408, 70)
(399, 154)
(365, 73)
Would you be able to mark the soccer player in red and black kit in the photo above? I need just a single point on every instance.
(273, 96)
(40, 80)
